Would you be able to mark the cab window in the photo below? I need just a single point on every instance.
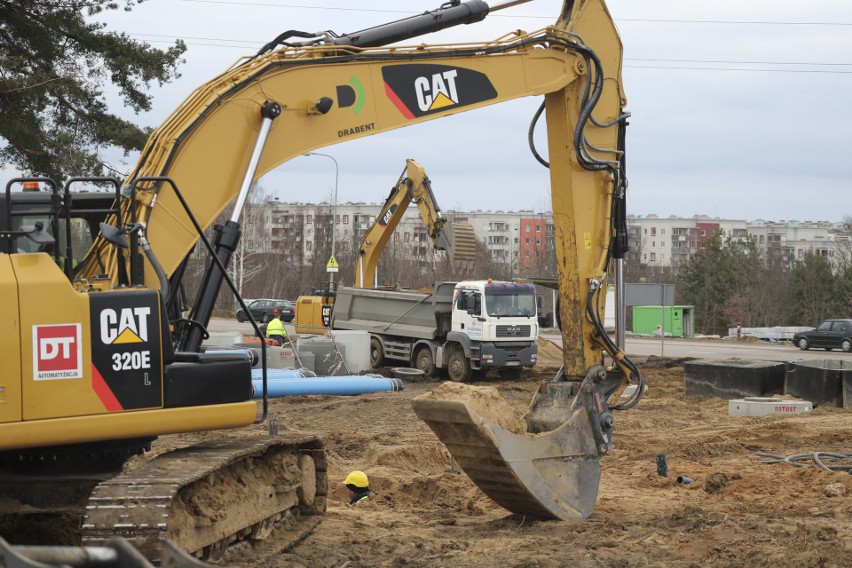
(81, 236)
(467, 298)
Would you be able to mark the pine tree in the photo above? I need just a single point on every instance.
(54, 64)
(812, 290)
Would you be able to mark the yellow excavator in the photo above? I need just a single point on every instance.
(100, 359)
(458, 240)
(413, 186)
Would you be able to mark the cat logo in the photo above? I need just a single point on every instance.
(388, 215)
(130, 325)
(437, 91)
(421, 89)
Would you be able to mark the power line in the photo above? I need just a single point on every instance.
(727, 61)
(637, 20)
(685, 68)
(250, 45)
(730, 22)
(299, 6)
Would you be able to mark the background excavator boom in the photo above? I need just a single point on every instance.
(413, 186)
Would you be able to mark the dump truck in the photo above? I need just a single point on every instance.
(313, 312)
(460, 326)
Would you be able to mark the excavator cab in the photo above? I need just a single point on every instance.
(313, 311)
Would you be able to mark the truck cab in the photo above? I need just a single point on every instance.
(496, 321)
(462, 327)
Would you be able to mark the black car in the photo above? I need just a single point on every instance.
(264, 310)
(830, 334)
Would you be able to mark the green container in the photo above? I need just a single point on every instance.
(649, 320)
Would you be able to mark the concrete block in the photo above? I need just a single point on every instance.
(818, 380)
(357, 343)
(732, 378)
(761, 406)
(283, 358)
(324, 357)
(219, 339)
(630, 390)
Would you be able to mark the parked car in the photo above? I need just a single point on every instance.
(263, 310)
(830, 334)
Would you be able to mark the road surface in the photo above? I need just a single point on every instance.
(716, 348)
(647, 346)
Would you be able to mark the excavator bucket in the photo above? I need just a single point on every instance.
(550, 475)
(459, 240)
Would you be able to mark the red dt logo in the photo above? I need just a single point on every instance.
(57, 352)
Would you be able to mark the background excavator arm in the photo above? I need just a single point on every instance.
(413, 186)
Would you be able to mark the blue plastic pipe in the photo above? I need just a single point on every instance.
(335, 386)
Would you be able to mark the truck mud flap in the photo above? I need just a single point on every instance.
(551, 475)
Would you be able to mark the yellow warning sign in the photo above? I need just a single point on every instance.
(332, 265)
(587, 240)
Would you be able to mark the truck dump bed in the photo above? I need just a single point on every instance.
(406, 314)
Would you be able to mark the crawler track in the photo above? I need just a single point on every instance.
(208, 497)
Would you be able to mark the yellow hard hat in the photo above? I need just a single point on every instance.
(357, 478)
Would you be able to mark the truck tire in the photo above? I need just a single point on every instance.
(458, 367)
(377, 354)
(424, 361)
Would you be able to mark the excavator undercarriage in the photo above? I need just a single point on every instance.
(204, 499)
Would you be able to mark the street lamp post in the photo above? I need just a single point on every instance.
(333, 212)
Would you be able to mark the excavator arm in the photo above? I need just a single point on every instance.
(413, 186)
(292, 98)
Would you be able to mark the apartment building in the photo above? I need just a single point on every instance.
(671, 241)
(525, 239)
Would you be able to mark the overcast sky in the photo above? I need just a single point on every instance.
(740, 110)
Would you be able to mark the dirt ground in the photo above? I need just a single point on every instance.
(737, 512)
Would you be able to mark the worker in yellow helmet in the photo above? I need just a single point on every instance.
(358, 486)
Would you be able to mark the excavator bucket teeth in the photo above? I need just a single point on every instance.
(459, 240)
(554, 475)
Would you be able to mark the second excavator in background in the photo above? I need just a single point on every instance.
(458, 240)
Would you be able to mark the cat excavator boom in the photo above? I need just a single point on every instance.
(102, 364)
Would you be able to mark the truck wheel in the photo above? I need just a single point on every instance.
(458, 367)
(510, 373)
(424, 361)
(377, 355)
